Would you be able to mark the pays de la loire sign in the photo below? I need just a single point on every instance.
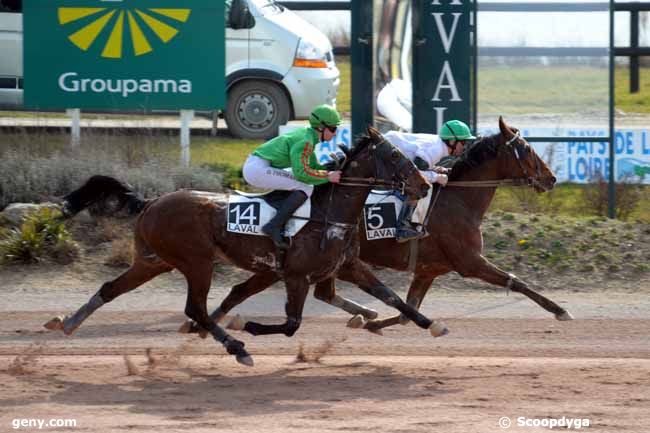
(124, 54)
(442, 59)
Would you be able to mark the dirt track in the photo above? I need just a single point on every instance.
(512, 360)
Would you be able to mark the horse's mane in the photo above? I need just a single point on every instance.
(483, 149)
(360, 143)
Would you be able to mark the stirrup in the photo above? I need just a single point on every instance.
(405, 234)
(276, 236)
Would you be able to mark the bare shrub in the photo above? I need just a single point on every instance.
(121, 254)
(596, 197)
(28, 179)
(339, 36)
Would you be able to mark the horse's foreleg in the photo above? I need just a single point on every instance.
(138, 274)
(326, 291)
(238, 294)
(481, 268)
(358, 273)
(297, 289)
(199, 278)
(418, 289)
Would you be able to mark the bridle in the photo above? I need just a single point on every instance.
(526, 180)
(403, 170)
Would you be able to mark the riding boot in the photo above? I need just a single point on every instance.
(405, 229)
(275, 227)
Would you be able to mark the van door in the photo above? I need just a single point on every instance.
(237, 51)
(11, 53)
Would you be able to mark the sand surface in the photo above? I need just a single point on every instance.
(126, 369)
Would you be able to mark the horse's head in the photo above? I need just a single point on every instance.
(519, 160)
(374, 157)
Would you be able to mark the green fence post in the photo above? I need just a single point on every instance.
(363, 101)
(442, 62)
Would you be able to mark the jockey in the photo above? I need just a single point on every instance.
(264, 167)
(425, 150)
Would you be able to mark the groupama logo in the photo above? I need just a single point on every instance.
(121, 29)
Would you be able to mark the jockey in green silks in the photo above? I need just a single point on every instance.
(264, 168)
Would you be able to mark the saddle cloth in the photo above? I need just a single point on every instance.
(382, 209)
(248, 213)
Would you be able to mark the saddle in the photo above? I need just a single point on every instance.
(249, 212)
(272, 198)
(381, 211)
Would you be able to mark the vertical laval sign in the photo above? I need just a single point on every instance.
(124, 54)
(442, 62)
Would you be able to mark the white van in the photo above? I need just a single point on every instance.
(278, 66)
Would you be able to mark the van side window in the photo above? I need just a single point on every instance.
(228, 5)
(15, 6)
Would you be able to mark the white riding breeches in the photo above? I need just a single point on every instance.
(259, 173)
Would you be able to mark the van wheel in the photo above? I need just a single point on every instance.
(256, 109)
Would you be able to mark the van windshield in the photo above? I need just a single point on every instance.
(268, 6)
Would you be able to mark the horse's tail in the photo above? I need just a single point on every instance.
(99, 188)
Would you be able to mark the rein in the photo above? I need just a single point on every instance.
(371, 181)
(368, 182)
(491, 183)
(527, 180)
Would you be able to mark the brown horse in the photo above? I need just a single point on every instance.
(186, 230)
(455, 242)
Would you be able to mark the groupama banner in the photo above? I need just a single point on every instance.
(124, 54)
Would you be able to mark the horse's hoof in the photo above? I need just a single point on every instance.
(246, 360)
(186, 327)
(55, 324)
(69, 330)
(370, 314)
(403, 320)
(203, 333)
(356, 322)
(438, 329)
(236, 324)
(564, 316)
(376, 331)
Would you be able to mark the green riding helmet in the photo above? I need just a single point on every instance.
(324, 115)
(455, 130)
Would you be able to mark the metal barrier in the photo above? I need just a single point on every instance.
(633, 51)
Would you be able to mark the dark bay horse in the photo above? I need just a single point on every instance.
(186, 230)
(455, 242)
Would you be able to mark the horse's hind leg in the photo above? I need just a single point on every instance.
(297, 289)
(199, 279)
(480, 267)
(238, 294)
(139, 273)
(326, 292)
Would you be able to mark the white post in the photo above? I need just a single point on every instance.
(186, 119)
(215, 123)
(75, 127)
